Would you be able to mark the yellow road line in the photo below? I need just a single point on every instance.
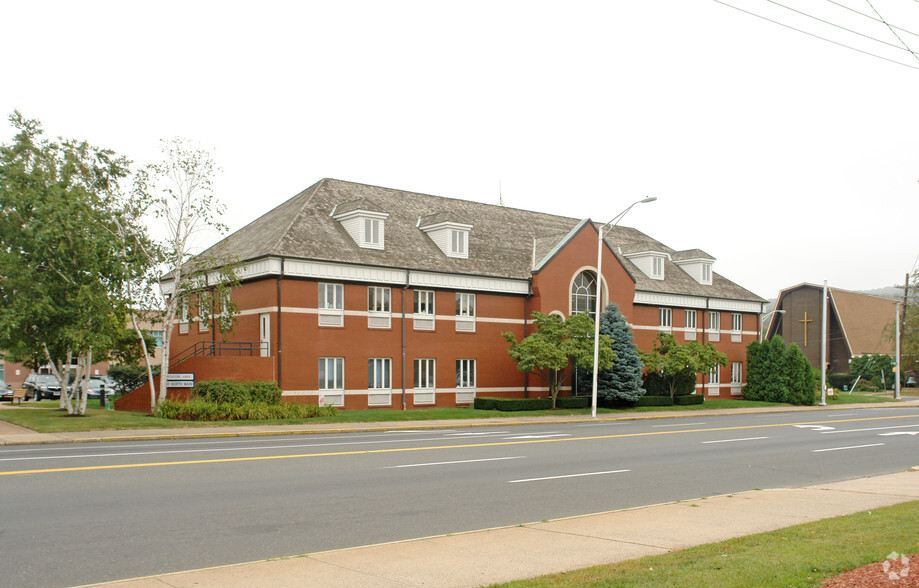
(436, 447)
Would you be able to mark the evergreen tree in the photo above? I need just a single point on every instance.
(622, 382)
(802, 383)
(756, 371)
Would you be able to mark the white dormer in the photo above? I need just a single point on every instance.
(449, 232)
(696, 263)
(364, 221)
(647, 258)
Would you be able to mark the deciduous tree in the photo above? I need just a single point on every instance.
(555, 344)
(672, 360)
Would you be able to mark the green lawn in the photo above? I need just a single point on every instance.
(45, 417)
(803, 555)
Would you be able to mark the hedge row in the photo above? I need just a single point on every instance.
(512, 404)
(203, 410)
(684, 400)
(221, 391)
(655, 401)
(572, 402)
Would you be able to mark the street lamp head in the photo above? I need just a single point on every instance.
(648, 199)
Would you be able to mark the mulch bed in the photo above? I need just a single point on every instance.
(902, 572)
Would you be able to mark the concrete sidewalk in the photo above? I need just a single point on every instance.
(499, 555)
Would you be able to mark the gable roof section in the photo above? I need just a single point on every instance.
(862, 317)
(502, 243)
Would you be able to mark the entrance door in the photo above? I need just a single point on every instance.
(264, 321)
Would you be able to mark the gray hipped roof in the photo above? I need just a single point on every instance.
(502, 241)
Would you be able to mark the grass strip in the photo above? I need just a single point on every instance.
(46, 417)
(799, 556)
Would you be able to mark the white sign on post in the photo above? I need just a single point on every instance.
(180, 381)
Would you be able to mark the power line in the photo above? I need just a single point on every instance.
(817, 18)
(781, 24)
(893, 32)
(868, 16)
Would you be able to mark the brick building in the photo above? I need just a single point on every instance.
(362, 296)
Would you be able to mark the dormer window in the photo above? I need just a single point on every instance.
(458, 243)
(657, 268)
(364, 221)
(449, 232)
(372, 232)
(696, 263)
(648, 257)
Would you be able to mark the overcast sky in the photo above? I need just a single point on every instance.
(786, 157)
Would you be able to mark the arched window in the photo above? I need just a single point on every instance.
(584, 293)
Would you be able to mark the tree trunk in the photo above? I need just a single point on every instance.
(553, 386)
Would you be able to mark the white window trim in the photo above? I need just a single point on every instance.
(335, 316)
(466, 312)
(338, 373)
(424, 321)
(459, 242)
(465, 394)
(665, 318)
(428, 366)
(379, 307)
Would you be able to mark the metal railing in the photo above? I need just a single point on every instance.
(205, 349)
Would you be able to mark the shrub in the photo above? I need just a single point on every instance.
(512, 404)
(203, 410)
(656, 385)
(221, 391)
(655, 401)
(840, 381)
(573, 402)
(686, 400)
(776, 373)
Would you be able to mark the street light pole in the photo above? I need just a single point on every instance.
(609, 225)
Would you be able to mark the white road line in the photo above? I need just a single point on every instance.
(482, 434)
(539, 436)
(436, 463)
(849, 447)
(679, 425)
(871, 429)
(567, 476)
(732, 440)
(217, 450)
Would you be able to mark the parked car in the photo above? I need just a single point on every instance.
(6, 392)
(95, 387)
(39, 386)
(109, 382)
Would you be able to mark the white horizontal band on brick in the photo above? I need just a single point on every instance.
(395, 391)
(678, 301)
(364, 313)
(322, 270)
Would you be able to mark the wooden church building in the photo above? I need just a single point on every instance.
(359, 296)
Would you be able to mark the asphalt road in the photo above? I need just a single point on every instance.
(84, 513)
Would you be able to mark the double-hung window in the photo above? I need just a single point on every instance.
(424, 381)
(379, 381)
(331, 373)
(736, 377)
(423, 319)
(458, 242)
(689, 334)
(379, 314)
(465, 381)
(183, 317)
(714, 379)
(714, 326)
(465, 312)
(331, 305)
(736, 327)
(372, 231)
(665, 318)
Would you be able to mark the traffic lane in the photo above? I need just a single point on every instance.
(224, 513)
(15, 459)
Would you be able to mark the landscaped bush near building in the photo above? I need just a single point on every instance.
(779, 373)
(573, 402)
(230, 400)
(222, 391)
(656, 384)
(656, 401)
(512, 404)
(685, 400)
(203, 410)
